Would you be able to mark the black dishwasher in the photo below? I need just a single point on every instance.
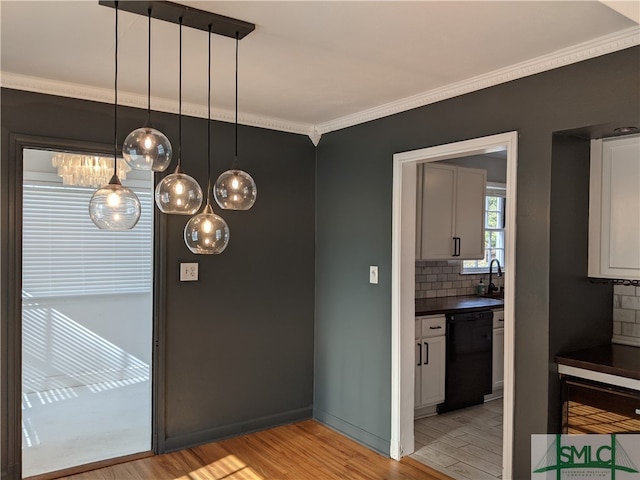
(469, 359)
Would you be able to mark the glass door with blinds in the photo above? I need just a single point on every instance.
(87, 309)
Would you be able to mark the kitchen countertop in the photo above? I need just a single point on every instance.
(472, 303)
(612, 359)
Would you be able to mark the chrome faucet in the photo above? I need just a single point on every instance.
(492, 288)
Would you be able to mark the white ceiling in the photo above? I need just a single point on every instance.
(310, 66)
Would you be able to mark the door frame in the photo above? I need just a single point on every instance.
(11, 323)
(403, 285)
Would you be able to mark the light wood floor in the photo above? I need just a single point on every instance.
(465, 444)
(301, 451)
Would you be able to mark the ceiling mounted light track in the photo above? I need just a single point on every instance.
(191, 17)
(178, 193)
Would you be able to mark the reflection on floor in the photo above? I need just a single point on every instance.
(464, 444)
(84, 397)
(72, 426)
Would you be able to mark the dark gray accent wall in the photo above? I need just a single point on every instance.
(580, 312)
(354, 186)
(238, 344)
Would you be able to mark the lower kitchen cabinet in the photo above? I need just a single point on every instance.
(497, 376)
(430, 360)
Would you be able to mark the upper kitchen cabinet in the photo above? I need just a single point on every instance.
(450, 210)
(614, 208)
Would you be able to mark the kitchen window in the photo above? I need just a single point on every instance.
(494, 233)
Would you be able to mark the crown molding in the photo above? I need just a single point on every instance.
(621, 40)
(594, 48)
(103, 95)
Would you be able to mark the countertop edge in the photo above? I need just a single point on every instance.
(598, 368)
(620, 361)
(444, 305)
(458, 310)
(598, 376)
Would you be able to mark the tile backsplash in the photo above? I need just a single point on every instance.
(443, 279)
(626, 314)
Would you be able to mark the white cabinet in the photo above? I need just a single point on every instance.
(497, 371)
(430, 360)
(614, 208)
(450, 223)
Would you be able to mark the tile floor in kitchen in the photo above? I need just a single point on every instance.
(464, 444)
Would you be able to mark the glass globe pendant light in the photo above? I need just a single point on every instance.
(206, 233)
(235, 189)
(147, 148)
(178, 193)
(113, 206)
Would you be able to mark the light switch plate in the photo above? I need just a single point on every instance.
(373, 274)
(189, 272)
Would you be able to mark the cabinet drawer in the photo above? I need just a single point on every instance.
(432, 326)
(598, 408)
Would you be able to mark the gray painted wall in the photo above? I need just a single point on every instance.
(580, 312)
(239, 342)
(354, 185)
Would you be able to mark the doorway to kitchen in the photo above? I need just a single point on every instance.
(403, 289)
(87, 321)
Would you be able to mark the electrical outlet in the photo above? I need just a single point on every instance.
(373, 274)
(188, 272)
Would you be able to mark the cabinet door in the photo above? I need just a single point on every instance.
(418, 365)
(432, 371)
(438, 197)
(621, 217)
(419, 201)
(452, 213)
(497, 373)
(469, 212)
(417, 400)
(614, 208)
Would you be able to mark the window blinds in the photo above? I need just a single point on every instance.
(65, 254)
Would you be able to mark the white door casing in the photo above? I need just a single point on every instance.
(403, 285)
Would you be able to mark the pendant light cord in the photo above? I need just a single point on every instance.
(209, 124)
(149, 71)
(235, 159)
(180, 101)
(115, 103)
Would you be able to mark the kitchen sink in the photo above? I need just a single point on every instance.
(496, 295)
